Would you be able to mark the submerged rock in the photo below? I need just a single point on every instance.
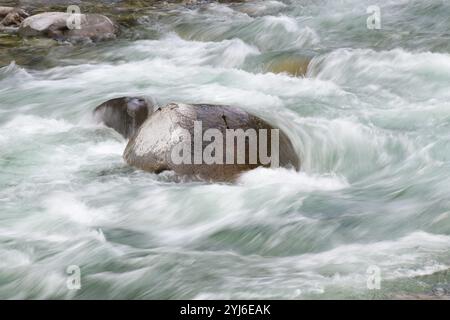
(295, 65)
(54, 25)
(125, 115)
(172, 132)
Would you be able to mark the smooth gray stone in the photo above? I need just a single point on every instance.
(151, 148)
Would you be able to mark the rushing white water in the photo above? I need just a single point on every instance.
(370, 121)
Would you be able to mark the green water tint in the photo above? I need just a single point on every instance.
(370, 120)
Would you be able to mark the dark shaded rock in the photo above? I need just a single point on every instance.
(125, 115)
(54, 25)
(151, 149)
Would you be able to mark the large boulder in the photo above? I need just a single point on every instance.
(125, 115)
(55, 25)
(169, 140)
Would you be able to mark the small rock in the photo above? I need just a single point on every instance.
(125, 115)
(295, 66)
(10, 16)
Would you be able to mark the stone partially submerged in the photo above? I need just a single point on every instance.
(156, 145)
(58, 26)
(125, 114)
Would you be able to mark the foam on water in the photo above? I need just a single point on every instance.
(395, 72)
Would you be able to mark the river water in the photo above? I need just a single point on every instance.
(370, 121)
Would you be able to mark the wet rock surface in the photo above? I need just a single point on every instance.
(12, 16)
(151, 149)
(125, 114)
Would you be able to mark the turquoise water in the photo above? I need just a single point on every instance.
(370, 121)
